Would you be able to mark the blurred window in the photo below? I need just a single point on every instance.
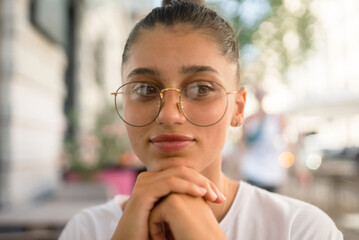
(50, 18)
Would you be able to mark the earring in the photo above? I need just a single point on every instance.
(236, 124)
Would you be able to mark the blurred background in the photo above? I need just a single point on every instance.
(63, 147)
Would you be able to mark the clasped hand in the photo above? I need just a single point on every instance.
(171, 204)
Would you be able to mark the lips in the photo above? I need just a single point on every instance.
(171, 142)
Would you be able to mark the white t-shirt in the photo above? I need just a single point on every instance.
(255, 214)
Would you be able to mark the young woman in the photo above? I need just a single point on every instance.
(180, 95)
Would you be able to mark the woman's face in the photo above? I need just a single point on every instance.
(170, 58)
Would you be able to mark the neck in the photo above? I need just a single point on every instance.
(229, 189)
(226, 185)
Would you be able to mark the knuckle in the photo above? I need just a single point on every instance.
(191, 185)
(174, 200)
(142, 175)
(171, 181)
(212, 185)
(137, 192)
(181, 170)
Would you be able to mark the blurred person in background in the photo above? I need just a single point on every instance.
(180, 96)
(263, 157)
(261, 146)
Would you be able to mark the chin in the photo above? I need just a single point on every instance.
(167, 163)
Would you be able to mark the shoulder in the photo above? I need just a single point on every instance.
(312, 223)
(94, 221)
(269, 205)
(107, 210)
(280, 217)
(303, 220)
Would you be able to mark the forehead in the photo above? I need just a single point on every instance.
(168, 49)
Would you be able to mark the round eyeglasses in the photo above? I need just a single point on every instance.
(203, 103)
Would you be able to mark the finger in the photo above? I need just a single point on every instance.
(178, 185)
(147, 193)
(157, 231)
(213, 193)
(159, 184)
(168, 232)
(157, 227)
(220, 198)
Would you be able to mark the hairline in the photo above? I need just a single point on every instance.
(185, 27)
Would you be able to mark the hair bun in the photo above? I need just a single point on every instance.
(169, 2)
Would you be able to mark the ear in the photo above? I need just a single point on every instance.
(240, 101)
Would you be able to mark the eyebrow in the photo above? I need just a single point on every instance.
(184, 70)
(197, 69)
(143, 71)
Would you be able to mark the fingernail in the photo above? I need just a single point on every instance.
(224, 197)
(212, 193)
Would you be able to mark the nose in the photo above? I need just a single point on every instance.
(170, 112)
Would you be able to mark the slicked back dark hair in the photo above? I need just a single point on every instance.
(193, 14)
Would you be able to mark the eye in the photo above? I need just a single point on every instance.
(144, 90)
(203, 90)
(199, 90)
(141, 91)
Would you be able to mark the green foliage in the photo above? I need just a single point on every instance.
(113, 141)
(273, 34)
(102, 148)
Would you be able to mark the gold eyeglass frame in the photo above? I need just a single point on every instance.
(179, 105)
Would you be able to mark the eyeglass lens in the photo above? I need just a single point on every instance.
(203, 103)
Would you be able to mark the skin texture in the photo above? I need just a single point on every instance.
(183, 194)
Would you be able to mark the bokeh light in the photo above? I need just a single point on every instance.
(313, 161)
(286, 159)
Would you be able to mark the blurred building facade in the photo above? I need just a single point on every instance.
(32, 94)
(322, 93)
(323, 115)
(57, 58)
(325, 89)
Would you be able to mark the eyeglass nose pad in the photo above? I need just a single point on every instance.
(179, 107)
(160, 105)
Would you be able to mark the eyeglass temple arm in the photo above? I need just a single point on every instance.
(114, 93)
(232, 92)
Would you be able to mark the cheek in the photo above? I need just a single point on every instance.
(223, 127)
(215, 136)
(136, 137)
